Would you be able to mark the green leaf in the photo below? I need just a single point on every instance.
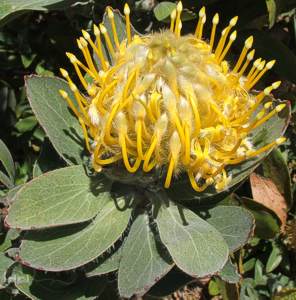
(70, 247)
(144, 260)
(272, 11)
(196, 247)
(259, 277)
(5, 180)
(61, 197)
(274, 259)
(163, 10)
(235, 224)
(48, 160)
(275, 168)
(5, 263)
(7, 162)
(105, 264)
(26, 124)
(37, 285)
(13, 8)
(267, 223)
(268, 132)
(52, 111)
(229, 273)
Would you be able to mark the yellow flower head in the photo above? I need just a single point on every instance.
(170, 101)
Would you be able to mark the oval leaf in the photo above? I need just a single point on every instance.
(196, 247)
(68, 247)
(143, 261)
(61, 197)
(235, 224)
(53, 114)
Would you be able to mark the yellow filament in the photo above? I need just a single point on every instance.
(201, 14)
(200, 30)
(254, 69)
(139, 139)
(113, 26)
(69, 102)
(169, 175)
(187, 144)
(108, 136)
(178, 17)
(268, 116)
(213, 31)
(135, 167)
(252, 153)
(108, 40)
(173, 18)
(246, 64)
(98, 49)
(248, 44)
(225, 51)
(194, 184)
(259, 76)
(109, 160)
(127, 23)
(84, 133)
(149, 153)
(100, 97)
(87, 55)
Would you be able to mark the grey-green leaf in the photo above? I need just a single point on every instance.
(52, 112)
(70, 247)
(163, 10)
(61, 197)
(37, 285)
(7, 161)
(235, 224)
(5, 263)
(144, 260)
(105, 264)
(12, 8)
(196, 247)
(229, 273)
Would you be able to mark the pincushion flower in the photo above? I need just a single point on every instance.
(170, 101)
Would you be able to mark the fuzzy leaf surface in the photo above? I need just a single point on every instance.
(105, 264)
(196, 247)
(53, 114)
(61, 197)
(229, 273)
(235, 224)
(144, 260)
(73, 246)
